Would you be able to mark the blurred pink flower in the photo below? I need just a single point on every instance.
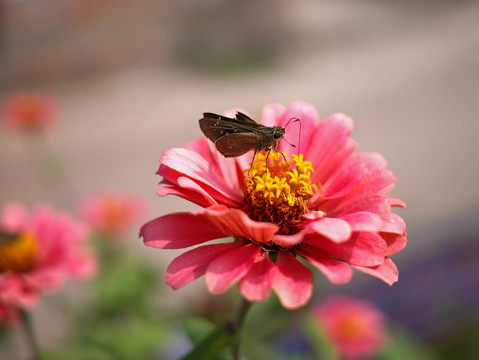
(111, 212)
(331, 209)
(29, 111)
(356, 329)
(38, 252)
(8, 315)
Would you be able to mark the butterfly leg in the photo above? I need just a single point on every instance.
(251, 166)
(284, 156)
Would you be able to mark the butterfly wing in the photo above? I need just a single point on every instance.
(237, 144)
(215, 126)
(244, 118)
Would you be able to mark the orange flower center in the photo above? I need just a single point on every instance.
(32, 110)
(17, 253)
(115, 214)
(278, 192)
(351, 327)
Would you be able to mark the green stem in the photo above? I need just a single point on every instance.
(30, 334)
(236, 326)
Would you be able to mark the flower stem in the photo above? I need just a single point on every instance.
(236, 326)
(30, 334)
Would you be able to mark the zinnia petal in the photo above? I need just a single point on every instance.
(236, 223)
(394, 224)
(309, 118)
(190, 164)
(336, 271)
(363, 248)
(363, 221)
(335, 229)
(170, 232)
(387, 271)
(226, 269)
(395, 242)
(330, 137)
(272, 114)
(256, 284)
(193, 264)
(293, 281)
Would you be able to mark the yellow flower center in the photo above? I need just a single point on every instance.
(17, 253)
(278, 191)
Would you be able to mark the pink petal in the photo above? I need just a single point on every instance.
(364, 248)
(397, 202)
(236, 223)
(336, 271)
(192, 165)
(375, 182)
(344, 181)
(395, 242)
(288, 241)
(336, 230)
(14, 217)
(256, 284)
(314, 215)
(272, 114)
(375, 204)
(387, 271)
(394, 224)
(201, 198)
(370, 160)
(330, 137)
(363, 221)
(193, 264)
(83, 267)
(309, 118)
(225, 270)
(293, 281)
(179, 230)
(227, 168)
(173, 178)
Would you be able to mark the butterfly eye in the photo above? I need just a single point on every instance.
(278, 132)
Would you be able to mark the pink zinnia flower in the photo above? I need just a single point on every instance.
(329, 208)
(38, 252)
(112, 212)
(356, 329)
(29, 111)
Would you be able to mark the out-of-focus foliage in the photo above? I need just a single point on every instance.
(119, 321)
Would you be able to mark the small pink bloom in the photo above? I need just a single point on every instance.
(8, 315)
(111, 212)
(327, 206)
(26, 111)
(38, 252)
(356, 329)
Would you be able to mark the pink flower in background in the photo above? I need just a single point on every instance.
(356, 329)
(8, 315)
(39, 251)
(29, 111)
(328, 207)
(112, 212)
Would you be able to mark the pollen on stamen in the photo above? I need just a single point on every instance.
(278, 191)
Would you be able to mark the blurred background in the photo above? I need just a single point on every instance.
(133, 77)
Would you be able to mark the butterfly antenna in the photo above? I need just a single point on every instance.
(299, 138)
(294, 119)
